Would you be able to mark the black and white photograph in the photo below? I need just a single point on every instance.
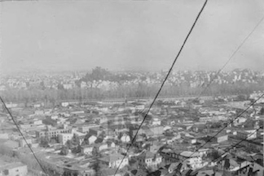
(131, 87)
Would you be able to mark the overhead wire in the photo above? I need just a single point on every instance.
(228, 149)
(227, 126)
(24, 138)
(229, 59)
(231, 121)
(166, 77)
(211, 81)
(207, 86)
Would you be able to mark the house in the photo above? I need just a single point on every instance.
(152, 159)
(199, 128)
(149, 158)
(64, 137)
(250, 134)
(170, 155)
(37, 105)
(174, 166)
(49, 132)
(92, 139)
(125, 138)
(222, 138)
(239, 121)
(11, 105)
(114, 160)
(87, 127)
(87, 149)
(156, 122)
(13, 169)
(110, 144)
(37, 122)
(155, 147)
(101, 146)
(65, 104)
(194, 159)
(96, 131)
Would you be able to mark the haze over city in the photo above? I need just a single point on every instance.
(87, 88)
(141, 35)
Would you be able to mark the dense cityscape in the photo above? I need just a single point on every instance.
(131, 88)
(86, 124)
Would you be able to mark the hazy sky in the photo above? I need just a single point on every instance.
(72, 35)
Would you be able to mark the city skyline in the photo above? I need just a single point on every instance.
(129, 88)
(63, 35)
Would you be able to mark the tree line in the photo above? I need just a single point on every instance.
(53, 97)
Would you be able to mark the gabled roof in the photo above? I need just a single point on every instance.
(11, 144)
(12, 165)
(149, 154)
(112, 157)
(108, 171)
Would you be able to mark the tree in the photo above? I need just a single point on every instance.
(261, 111)
(44, 142)
(53, 141)
(64, 150)
(149, 169)
(97, 74)
(214, 154)
(77, 149)
(75, 140)
(69, 144)
(60, 86)
(96, 152)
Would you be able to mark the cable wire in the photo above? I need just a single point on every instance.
(234, 53)
(228, 149)
(156, 96)
(208, 85)
(211, 81)
(13, 119)
(228, 123)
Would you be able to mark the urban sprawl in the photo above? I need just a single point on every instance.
(87, 124)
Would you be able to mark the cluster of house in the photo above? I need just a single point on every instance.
(69, 80)
(95, 138)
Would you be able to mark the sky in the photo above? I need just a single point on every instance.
(129, 35)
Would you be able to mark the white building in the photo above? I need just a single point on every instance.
(13, 169)
(65, 104)
(115, 160)
(125, 138)
(64, 137)
(156, 122)
(92, 139)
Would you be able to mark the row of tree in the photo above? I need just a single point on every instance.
(139, 90)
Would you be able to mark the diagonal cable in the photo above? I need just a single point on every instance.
(156, 96)
(234, 53)
(228, 149)
(17, 126)
(208, 85)
(229, 123)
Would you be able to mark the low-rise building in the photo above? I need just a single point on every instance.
(49, 132)
(114, 160)
(86, 128)
(64, 137)
(13, 169)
